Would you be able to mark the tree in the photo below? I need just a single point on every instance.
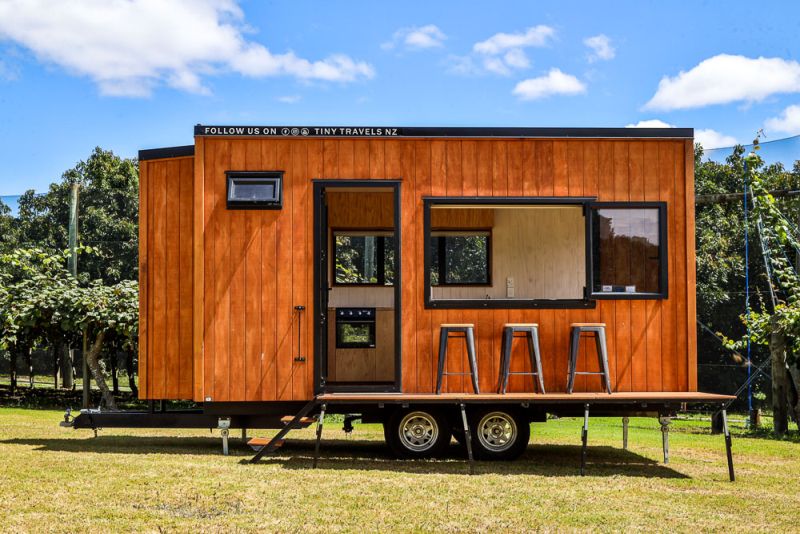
(109, 216)
(41, 301)
(778, 327)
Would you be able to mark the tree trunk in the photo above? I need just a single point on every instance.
(130, 370)
(93, 361)
(13, 369)
(29, 363)
(57, 354)
(780, 397)
(67, 372)
(114, 374)
(794, 393)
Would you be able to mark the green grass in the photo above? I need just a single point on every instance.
(60, 479)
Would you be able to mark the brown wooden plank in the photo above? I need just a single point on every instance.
(361, 159)
(284, 306)
(210, 222)
(669, 354)
(252, 284)
(409, 235)
(691, 274)
(346, 161)
(160, 281)
(238, 267)
(301, 389)
(377, 159)
(652, 309)
(222, 274)
(144, 279)
(185, 280)
(269, 286)
(676, 211)
(198, 268)
(314, 162)
(426, 361)
(438, 189)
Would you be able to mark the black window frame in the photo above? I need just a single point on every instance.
(381, 233)
(254, 176)
(582, 303)
(663, 251)
(442, 253)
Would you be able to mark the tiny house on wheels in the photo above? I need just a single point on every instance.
(446, 282)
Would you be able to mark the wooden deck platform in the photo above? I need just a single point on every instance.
(626, 397)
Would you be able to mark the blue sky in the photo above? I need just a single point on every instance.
(133, 74)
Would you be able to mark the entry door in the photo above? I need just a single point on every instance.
(328, 347)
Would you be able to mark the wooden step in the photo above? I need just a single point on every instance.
(304, 421)
(257, 443)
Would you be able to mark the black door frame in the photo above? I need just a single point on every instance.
(321, 289)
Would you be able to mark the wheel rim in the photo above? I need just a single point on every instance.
(418, 431)
(497, 431)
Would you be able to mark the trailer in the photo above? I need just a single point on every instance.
(386, 273)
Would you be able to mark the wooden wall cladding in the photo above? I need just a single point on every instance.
(165, 279)
(257, 265)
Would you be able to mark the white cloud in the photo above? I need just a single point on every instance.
(707, 137)
(502, 53)
(500, 42)
(713, 139)
(601, 48)
(787, 122)
(130, 47)
(726, 78)
(650, 123)
(417, 38)
(554, 82)
(290, 99)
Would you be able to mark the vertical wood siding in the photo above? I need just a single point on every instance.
(256, 266)
(165, 279)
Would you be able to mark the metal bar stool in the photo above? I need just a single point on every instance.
(599, 332)
(469, 333)
(531, 333)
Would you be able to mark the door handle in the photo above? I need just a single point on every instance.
(300, 357)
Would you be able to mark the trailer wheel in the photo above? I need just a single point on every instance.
(499, 434)
(416, 433)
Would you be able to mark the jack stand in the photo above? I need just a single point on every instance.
(625, 421)
(244, 435)
(727, 433)
(584, 438)
(224, 425)
(467, 439)
(319, 434)
(665, 421)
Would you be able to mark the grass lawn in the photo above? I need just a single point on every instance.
(59, 479)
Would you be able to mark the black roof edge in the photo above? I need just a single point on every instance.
(427, 131)
(167, 152)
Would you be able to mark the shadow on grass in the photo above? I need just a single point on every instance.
(538, 459)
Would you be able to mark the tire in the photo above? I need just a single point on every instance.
(499, 434)
(416, 433)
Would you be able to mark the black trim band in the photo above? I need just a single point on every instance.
(413, 131)
(168, 152)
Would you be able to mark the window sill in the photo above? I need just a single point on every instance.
(629, 296)
(510, 304)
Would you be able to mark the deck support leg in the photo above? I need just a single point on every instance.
(584, 438)
(625, 421)
(665, 421)
(244, 435)
(727, 433)
(319, 434)
(467, 438)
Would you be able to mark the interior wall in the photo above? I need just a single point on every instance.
(542, 249)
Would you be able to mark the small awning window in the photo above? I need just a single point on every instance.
(255, 190)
